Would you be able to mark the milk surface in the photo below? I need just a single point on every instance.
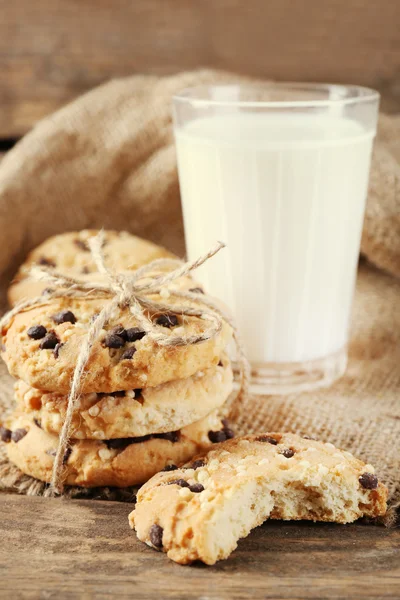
(287, 195)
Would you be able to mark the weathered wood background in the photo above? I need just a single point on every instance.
(53, 50)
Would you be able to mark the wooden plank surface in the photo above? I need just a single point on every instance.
(53, 50)
(54, 548)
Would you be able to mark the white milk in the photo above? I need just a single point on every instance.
(287, 195)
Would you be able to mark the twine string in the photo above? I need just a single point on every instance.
(74, 394)
(136, 291)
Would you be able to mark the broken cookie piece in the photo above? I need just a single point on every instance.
(241, 483)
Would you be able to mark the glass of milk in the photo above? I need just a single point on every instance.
(279, 172)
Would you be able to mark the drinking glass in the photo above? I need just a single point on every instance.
(279, 172)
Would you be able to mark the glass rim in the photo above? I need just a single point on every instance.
(342, 95)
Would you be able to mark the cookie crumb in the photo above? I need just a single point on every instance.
(94, 411)
(104, 453)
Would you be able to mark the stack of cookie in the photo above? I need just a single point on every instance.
(143, 407)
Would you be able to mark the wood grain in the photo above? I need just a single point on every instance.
(84, 549)
(53, 50)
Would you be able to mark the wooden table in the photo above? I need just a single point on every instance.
(55, 548)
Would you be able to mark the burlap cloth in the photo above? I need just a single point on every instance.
(108, 159)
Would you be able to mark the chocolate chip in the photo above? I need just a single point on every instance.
(66, 456)
(134, 334)
(167, 320)
(217, 436)
(46, 262)
(196, 464)
(57, 349)
(288, 453)
(169, 468)
(180, 482)
(229, 433)
(37, 332)
(81, 245)
(47, 291)
(267, 438)
(5, 434)
(196, 488)
(119, 330)
(138, 393)
(128, 354)
(38, 423)
(196, 290)
(113, 340)
(369, 481)
(220, 364)
(49, 342)
(18, 434)
(226, 433)
(172, 436)
(156, 535)
(64, 316)
(120, 394)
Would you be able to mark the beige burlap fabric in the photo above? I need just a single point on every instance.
(108, 160)
(381, 234)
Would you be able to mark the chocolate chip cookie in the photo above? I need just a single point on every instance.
(41, 346)
(116, 462)
(68, 254)
(131, 413)
(200, 511)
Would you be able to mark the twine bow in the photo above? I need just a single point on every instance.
(136, 291)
